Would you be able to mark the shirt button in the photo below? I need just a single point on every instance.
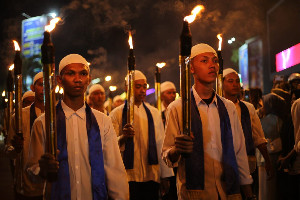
(77, 182)
(76, 166)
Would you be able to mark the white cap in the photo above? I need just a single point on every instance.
(116, 98)
(37, 77)
(95, 87)
(28, 94)
(167, 85)
(72, 58)
(229, 71)
(201, 48)
(138, 75)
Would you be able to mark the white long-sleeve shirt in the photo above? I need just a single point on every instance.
(212, 146)
(78, 154)
(142, 171)
(295, 111)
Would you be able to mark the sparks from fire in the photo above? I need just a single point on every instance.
(130, 40)
(219, 36)
(52, 24)
(194, 13)
(11, 67)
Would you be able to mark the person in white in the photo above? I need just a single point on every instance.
(178, 148)
(117, 101)
(18, 147)
(74, 77)
(168, 95)
(97, 97)
(27, 98)
(143, 177)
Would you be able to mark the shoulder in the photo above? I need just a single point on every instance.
(228, 104)
(100, 116)
(249, 105)
(40, 119)
(117, 110)
(175, 104)
(26, 110)
(296, 106)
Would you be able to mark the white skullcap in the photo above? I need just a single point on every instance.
(72, 58)
(28, 94)
(95, 87)
(201, 48)
(138, 75)
(116, 98)
(167, 85)
(37, 77)
(229, 71)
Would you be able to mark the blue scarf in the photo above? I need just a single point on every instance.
(246, 124)
(128, 155)
(194, 164)
(61, 188)
(32, 116)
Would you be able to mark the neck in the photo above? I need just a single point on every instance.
(138, 103)
(40, 105)
(74, 103)
(204, 91)
(165, 104)
(232, 98)
(99, 108)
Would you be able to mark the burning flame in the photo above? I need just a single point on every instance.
(112, 88)
(194, 14)
(3, 93)
(219, 36)
(52, 25)
(17, 47)
(130, 40)
(56, 89)
(161, 65)
(61, 91)
(11, 67)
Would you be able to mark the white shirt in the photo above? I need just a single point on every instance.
(295, 111)
(212, 146)
(78, 154)
(142, 171)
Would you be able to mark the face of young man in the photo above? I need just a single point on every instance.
(74, 79)
(27, 101)
(97, 97)
(140, 87)
(168, 96)
(38, 88)
(231, 84)
(205, 67)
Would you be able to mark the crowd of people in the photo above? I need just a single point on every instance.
(242, 145)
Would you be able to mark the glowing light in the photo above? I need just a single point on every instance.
(61, 91)
(53, 14)
(229, 41)
(194, 14)
(6, 100)
(89, 63)
(3, 93)
(112, 88)
(219, 36)
(11, 67)
(148, 85)
(56, 89)
(288, 58)
(52, 24)
(177, 95)
(150, 91)
(96, 80)
(130, 40)
(285, 58)
(13, 101)
(161, 65)
(107, 78)
(233, 39)
(16, 44)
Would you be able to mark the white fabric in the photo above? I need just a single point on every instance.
(167, 85)
(201, 48)
(28, 94)
(37, 77)
(116, 98)
(212, 147)
(138, 75)
(95, 87)
(228, 71)
(295, 111)
(78, 154)
(142, 171)
(72, 58)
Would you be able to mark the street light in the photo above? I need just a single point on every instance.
(107, 78)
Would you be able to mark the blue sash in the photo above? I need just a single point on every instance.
(128, 155)
(32, 116)
(247, 129)
(61, 188)
(194, 164)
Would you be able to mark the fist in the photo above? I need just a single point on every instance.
(184, 144)
(48, 165)
(18, 142)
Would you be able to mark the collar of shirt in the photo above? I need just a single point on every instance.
(69, 111)
(199, 100)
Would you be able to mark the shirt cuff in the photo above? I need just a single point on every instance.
(167, 159)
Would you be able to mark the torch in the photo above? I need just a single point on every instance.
(185, 74)
(157, 84)
(130, 82)
(219, 87)
(18, 91)
(10, 95)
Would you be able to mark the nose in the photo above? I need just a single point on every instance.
(77, 78)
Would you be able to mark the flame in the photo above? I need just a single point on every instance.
(11, 67)
(6, 100)
(112, 88)
(194, 14)
(52, 24)
(219, 36)
(130, 40)
(16, 44)
(56, 89)
(61, 91)
(161, 65)
(3, 93)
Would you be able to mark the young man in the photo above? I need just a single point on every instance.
(117, 101)
(97, 97)
(89, 162)
(253, 132)
(27, 98)
(212, 161)
(168, 94)
(141, 143)
(18, 148)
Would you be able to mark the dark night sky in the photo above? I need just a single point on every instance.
(96, 29)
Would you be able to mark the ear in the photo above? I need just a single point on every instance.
(59, 80)
(192, 67)
(32, 88)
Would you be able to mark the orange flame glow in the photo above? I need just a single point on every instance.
(11, 67)
(130, 40)
(194, 14)
(219, 36)
(52, 24)
(16, 44)
(61, 91)
(161, 65)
